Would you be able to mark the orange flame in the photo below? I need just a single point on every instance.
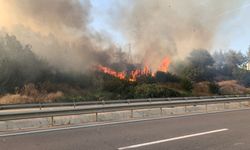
(164, 65)
(135, 73)
(120, 75)
(146, 70)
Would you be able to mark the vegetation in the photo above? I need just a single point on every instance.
(26, 78)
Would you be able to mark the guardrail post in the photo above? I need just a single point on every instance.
(96, 116)
(40, 106)
(132, 116)
(52, 121)
(185, 107)
(161, 111)
(74, 103)
(128, 101)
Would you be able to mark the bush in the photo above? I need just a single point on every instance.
(145, 79)
(214, 88)
(187, 85)
(163, 77)
(154, 91)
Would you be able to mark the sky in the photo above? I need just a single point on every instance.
(232, 34)
(235, 33)
(101, 10)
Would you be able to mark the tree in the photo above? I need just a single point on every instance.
(219, 59)
(226, 63)
(234, 58)
(248, 52)
(200, 58)
(200, 66)
(18, 65)
(243, 76)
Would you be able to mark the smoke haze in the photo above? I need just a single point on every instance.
(58, 29)
(161, 28)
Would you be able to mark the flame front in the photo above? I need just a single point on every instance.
(139, 72)
(134, 74)
(164, 65)
(120, 75)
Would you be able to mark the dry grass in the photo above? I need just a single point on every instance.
(201, 89)
(232, 87)
(30, 94)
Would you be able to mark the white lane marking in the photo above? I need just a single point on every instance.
(171, 139)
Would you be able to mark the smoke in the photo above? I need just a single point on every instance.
(57, 16)
(161, 28)
(57, 30)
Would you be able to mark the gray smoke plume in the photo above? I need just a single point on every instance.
(173, 28)
(57, 30)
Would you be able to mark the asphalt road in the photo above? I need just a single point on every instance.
(219, 131)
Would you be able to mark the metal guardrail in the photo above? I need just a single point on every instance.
(122, 105)
(104, 102)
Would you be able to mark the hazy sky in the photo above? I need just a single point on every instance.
(234, 33)
(101, 19)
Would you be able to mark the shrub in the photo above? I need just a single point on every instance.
(186, 85)
(154, 91)
(163, 77)
(214, 88)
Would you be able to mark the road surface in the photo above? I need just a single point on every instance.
(218, 131)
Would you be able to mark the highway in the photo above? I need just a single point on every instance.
(216, 131)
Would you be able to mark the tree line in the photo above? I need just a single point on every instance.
(20, 66)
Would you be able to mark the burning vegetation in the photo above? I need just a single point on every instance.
(57, 52)
(22, 69)
(120, 75)
(134, 74)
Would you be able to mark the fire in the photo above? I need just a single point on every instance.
(139, 72)
(120, 75)
(134, 74)
(164, 65)
(146, 70)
